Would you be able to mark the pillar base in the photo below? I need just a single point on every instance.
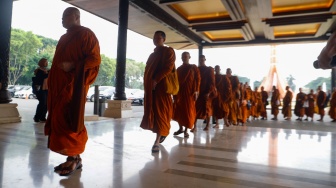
(9, 113)
(118, 109)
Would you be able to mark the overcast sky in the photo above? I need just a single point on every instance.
(43, 17)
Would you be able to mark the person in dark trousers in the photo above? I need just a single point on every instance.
(41, 90)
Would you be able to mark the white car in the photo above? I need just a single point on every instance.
(90, 94)
(25, 93)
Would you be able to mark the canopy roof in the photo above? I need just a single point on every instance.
(219, 23)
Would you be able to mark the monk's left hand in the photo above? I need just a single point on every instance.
(68, 66)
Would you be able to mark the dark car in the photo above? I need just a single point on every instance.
(137, 97)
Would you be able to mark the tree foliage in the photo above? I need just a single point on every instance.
(319, 82)
(27, 49)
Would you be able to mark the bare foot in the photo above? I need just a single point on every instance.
(193, 130)
(206, 129)
(216, 126)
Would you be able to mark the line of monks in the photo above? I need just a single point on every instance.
(205, 92)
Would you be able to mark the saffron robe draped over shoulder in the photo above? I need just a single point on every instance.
(207, 87)
(309, 111)
(221, 104)
(275, 102)
(299, 109)
(332, 110)
(184, 102)
(287, 106)
(158, 104)
(67, 90)
(320, 100)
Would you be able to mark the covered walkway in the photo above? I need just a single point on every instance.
(118, 154)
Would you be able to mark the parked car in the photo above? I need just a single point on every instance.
(107, 93)
(90, 94)
(137, 97)
(11, 90)
(25, 93)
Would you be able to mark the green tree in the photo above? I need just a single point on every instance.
(24, 46)
(106, 71)
(134, 74)
(319, 82)
(244, 79)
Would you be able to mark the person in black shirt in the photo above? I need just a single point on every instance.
(41, 76)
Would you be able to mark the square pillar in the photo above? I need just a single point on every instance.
(118, 109)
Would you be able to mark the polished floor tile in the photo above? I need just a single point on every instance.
(118, 154)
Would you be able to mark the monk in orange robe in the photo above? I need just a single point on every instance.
(207, 93)
(320, 100)
(264, 99)
(299, 109)
(332, 110)
(287, 104)
(75, 66)
(309, 109)
(221, 102)
(158, 104)
(257, 105)
(246, 96)
(184, 102)
(275, 103)
(234, 112)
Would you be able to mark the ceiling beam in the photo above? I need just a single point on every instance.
(219, 26)
(315, 18)
(156, 12)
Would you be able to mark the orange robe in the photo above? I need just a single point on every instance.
(287, 105)
(158, 104)
(320, 100)
(257, 104)
(275, 102)
(184, 101)
(204, 105)
(264, 98)
(309, 111)
(67, 90)
(332, 110)
(224, 92)
(234, 112)
(299, 109)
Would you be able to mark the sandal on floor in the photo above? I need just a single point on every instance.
(178, 132)
(186, 135)
(162, 138)
(79, 165)
(155, 149)
(60, 167)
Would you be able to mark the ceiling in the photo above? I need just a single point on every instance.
(189, 24)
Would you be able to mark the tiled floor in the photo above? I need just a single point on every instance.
(118, 154)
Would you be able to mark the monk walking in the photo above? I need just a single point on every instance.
(264, 99)
(332, 110)
(158, 104)
(299, 109)
(320, 100)
(207, 93)
(75, 66)
(287, 104)
(184, 101)
(220, 103)
(309, 108)
(275, 103)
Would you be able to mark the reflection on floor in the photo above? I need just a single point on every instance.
(118, 154)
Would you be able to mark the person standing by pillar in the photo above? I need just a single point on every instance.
(41, 88)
